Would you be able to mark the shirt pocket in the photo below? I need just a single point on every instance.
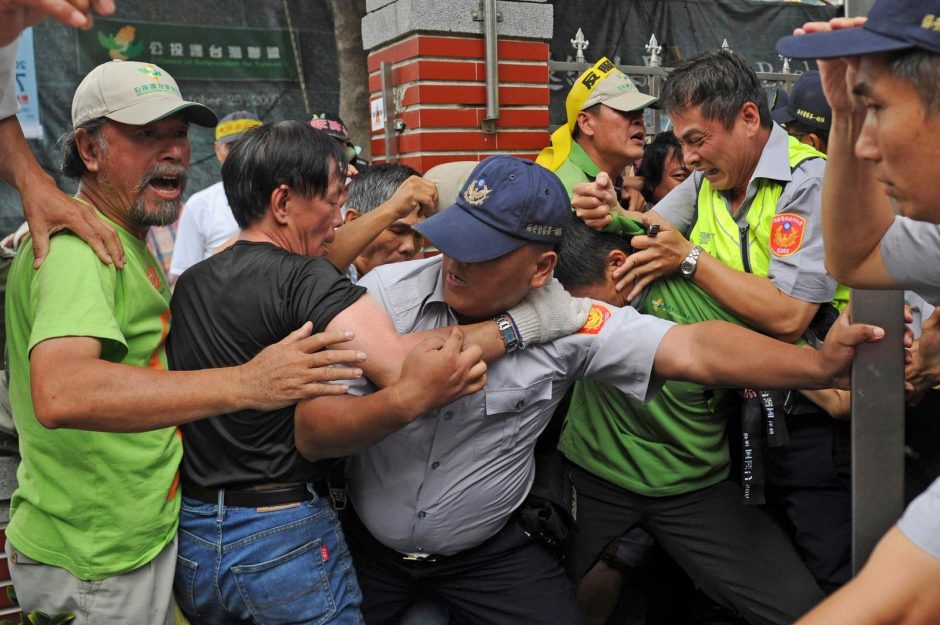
(507, 409)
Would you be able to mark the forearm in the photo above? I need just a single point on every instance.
(18, 166)
(112, 397)
(720, 354)
(353, 236)
(332, 427)
(855, 210)
(754, 299)
(836, 403)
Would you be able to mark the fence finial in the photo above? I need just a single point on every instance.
(786, 64)
(654, 49)
(579, 43)
(725, 46)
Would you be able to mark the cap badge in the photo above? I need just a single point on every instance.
(151, 70)
(477, 192)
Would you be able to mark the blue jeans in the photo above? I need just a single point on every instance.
(265, 566)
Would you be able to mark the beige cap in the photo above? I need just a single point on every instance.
(617, 91)
(133, 93)
(449, 178)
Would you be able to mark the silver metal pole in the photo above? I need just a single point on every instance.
(492, 67)
(388, 109)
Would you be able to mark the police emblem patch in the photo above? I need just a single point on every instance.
(477, 192)
(786, 234)
(597, 317)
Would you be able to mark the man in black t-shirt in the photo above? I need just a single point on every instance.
(257, 541)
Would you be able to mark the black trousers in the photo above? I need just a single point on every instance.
(507, 580)
(735, 553)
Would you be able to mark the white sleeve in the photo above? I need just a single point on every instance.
(187, 251)
(921, 521)
(911, 253)
(678, 207)
(8, 104)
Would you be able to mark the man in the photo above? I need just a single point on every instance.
(334, 126)
(399, 241)
(605, 130)
(806, 115)
(93, 522)
(436, 500)
(664, 465)
(207, 220)
(879, 79)
(747, 231)
(47, 209)
(252, 503)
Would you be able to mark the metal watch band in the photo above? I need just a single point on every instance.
(507, 331)
(690, 264)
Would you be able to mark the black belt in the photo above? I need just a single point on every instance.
(254, 498)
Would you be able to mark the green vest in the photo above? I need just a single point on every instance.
(748, 248)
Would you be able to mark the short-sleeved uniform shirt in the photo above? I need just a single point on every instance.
(206, 223)
(8, 104)
(94, 503)
(225, 311)
(910, 250)
(800, 274)
(921, 521)
(450, 479)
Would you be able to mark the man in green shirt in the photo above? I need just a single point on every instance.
(605, 130)
(664, 465)
(93, 522)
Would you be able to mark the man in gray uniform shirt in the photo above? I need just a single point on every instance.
(880, 78)
(436, 500)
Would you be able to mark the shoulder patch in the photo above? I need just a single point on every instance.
(596, 319)
(786, 234)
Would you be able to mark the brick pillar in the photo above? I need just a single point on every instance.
(439, 75)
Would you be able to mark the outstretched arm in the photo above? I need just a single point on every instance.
(16, 15)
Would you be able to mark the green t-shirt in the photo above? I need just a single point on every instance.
(96, 504)
(674, 444)
(577, 168)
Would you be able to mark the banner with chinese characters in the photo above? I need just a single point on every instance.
(191, 52)
(26, 93)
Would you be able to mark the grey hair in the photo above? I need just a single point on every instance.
(72, 164)
(375, 185)
(720, 82)
(921, 68)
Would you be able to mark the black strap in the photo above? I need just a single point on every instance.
(752, 447)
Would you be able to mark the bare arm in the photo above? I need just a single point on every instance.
(46, 208)
(72, 387)
(414, 194)
(16, 15)
(435, 373)
(897, 586)
(720, 354)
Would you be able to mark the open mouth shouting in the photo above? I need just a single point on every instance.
(166, 181)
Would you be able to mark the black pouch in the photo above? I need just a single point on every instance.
(548, 513)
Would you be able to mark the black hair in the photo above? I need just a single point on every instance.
(376, 185)
(653, 165)
(921, 68)
(720, 82)
(285, 152)
(72, 164)
(582, 254)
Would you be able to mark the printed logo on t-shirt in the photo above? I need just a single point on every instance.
(597, 317)
(786, 234)
(154, 276)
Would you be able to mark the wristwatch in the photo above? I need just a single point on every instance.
(688, 266)
(507, 330)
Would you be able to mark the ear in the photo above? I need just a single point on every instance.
(615, 259)
(89, 149)
(280, 204)
(351, 215)
(585, 123)
(544, 266)
(815, 140)
(751, 116)
(221, 151)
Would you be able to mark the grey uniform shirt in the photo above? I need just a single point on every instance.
(921, 520)
(8, 104)
(451, 479)
(910, 250)
(802, 274)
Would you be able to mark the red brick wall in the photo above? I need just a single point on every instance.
(442, 84)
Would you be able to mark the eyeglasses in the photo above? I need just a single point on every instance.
(351, 151)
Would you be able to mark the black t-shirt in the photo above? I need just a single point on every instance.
(225, 310)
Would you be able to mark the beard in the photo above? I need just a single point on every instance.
(163, 212)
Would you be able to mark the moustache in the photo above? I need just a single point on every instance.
(164, 170)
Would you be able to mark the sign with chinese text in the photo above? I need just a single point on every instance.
(191, 52)
(26, 92)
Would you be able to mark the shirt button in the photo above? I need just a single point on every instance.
(422, 514)
(448, 416)
(435, 464)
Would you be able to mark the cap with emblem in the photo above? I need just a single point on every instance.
(807, 104)
(234, 125)
(601, 84)
(449, 179)
(891, 25)
(133, 93)
(505, 203)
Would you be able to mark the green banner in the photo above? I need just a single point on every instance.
(191, 52)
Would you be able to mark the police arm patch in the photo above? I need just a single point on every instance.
(596, 319)
(786, 234)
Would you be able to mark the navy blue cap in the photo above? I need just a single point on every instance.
(807, 105)
(505, 203)
(892, 25)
